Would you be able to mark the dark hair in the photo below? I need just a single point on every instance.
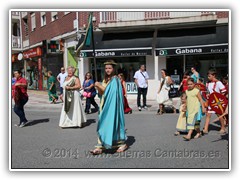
(19, 71)
(212, 72)
(50, 72)
(200, 79)
(122, 76)
(225, 78)
(90, 75)
(165, 71)
(111, 75)
(183, 94)
(186, 74)
(191, 79)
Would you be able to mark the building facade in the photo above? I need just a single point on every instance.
(175, 41)
(47, 42)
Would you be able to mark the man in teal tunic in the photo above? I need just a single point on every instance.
(111, 124)
(52, 88)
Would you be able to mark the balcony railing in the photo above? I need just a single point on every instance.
(16, 42)
(106, 17)
(14, 13)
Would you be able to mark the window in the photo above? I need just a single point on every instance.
(33, 21)
(54, 16)
(43, 18)
(25, 24)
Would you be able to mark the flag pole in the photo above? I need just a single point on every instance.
(94, 56)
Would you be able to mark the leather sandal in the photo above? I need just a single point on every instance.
(122, 148)
(186, 138)
(222, 131)
(177, 133)
(198, 135)
(96, 151)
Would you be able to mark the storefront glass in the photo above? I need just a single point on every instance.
(175, 68)
(204, 62)
(127, 65)
(32, 73)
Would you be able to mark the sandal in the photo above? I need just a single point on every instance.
(122, 148)
(177, 133)
(205, 132)
(198, 135)
(186, 138)
(96, 151)
(222, 131)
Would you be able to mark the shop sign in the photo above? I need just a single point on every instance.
(193, 50)
(34, 52)
(116, 53)
(131, 88)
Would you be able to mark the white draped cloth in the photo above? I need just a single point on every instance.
(162, 96)
(75, 117)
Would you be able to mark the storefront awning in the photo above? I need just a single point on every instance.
(120, 44)
(192, 41)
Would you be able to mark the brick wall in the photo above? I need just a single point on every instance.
(62, 25)
(222, 14)
(83, 17)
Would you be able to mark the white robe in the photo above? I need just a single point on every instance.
(162, 96)
(75, 116)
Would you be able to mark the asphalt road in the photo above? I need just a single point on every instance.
(43, 144)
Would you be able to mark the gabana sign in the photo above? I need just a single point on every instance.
(192, 50)
(116, 53)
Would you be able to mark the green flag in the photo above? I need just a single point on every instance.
(89, 33)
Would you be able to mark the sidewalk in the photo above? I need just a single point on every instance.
(40, 98)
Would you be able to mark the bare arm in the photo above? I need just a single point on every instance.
(201, 101)
(124, 87)
(136, 81)
(169, 81)
(100, 88)
(58, 78)
(76, 86)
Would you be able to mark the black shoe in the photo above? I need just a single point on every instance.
(130, 112)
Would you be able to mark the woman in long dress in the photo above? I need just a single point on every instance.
(72, 114)
(162, 94)
(127, 109)
(111, 124)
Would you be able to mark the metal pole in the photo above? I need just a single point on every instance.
(94, 57)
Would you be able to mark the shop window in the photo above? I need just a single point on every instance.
(175, 68)
(204, 62)
(127, 65)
